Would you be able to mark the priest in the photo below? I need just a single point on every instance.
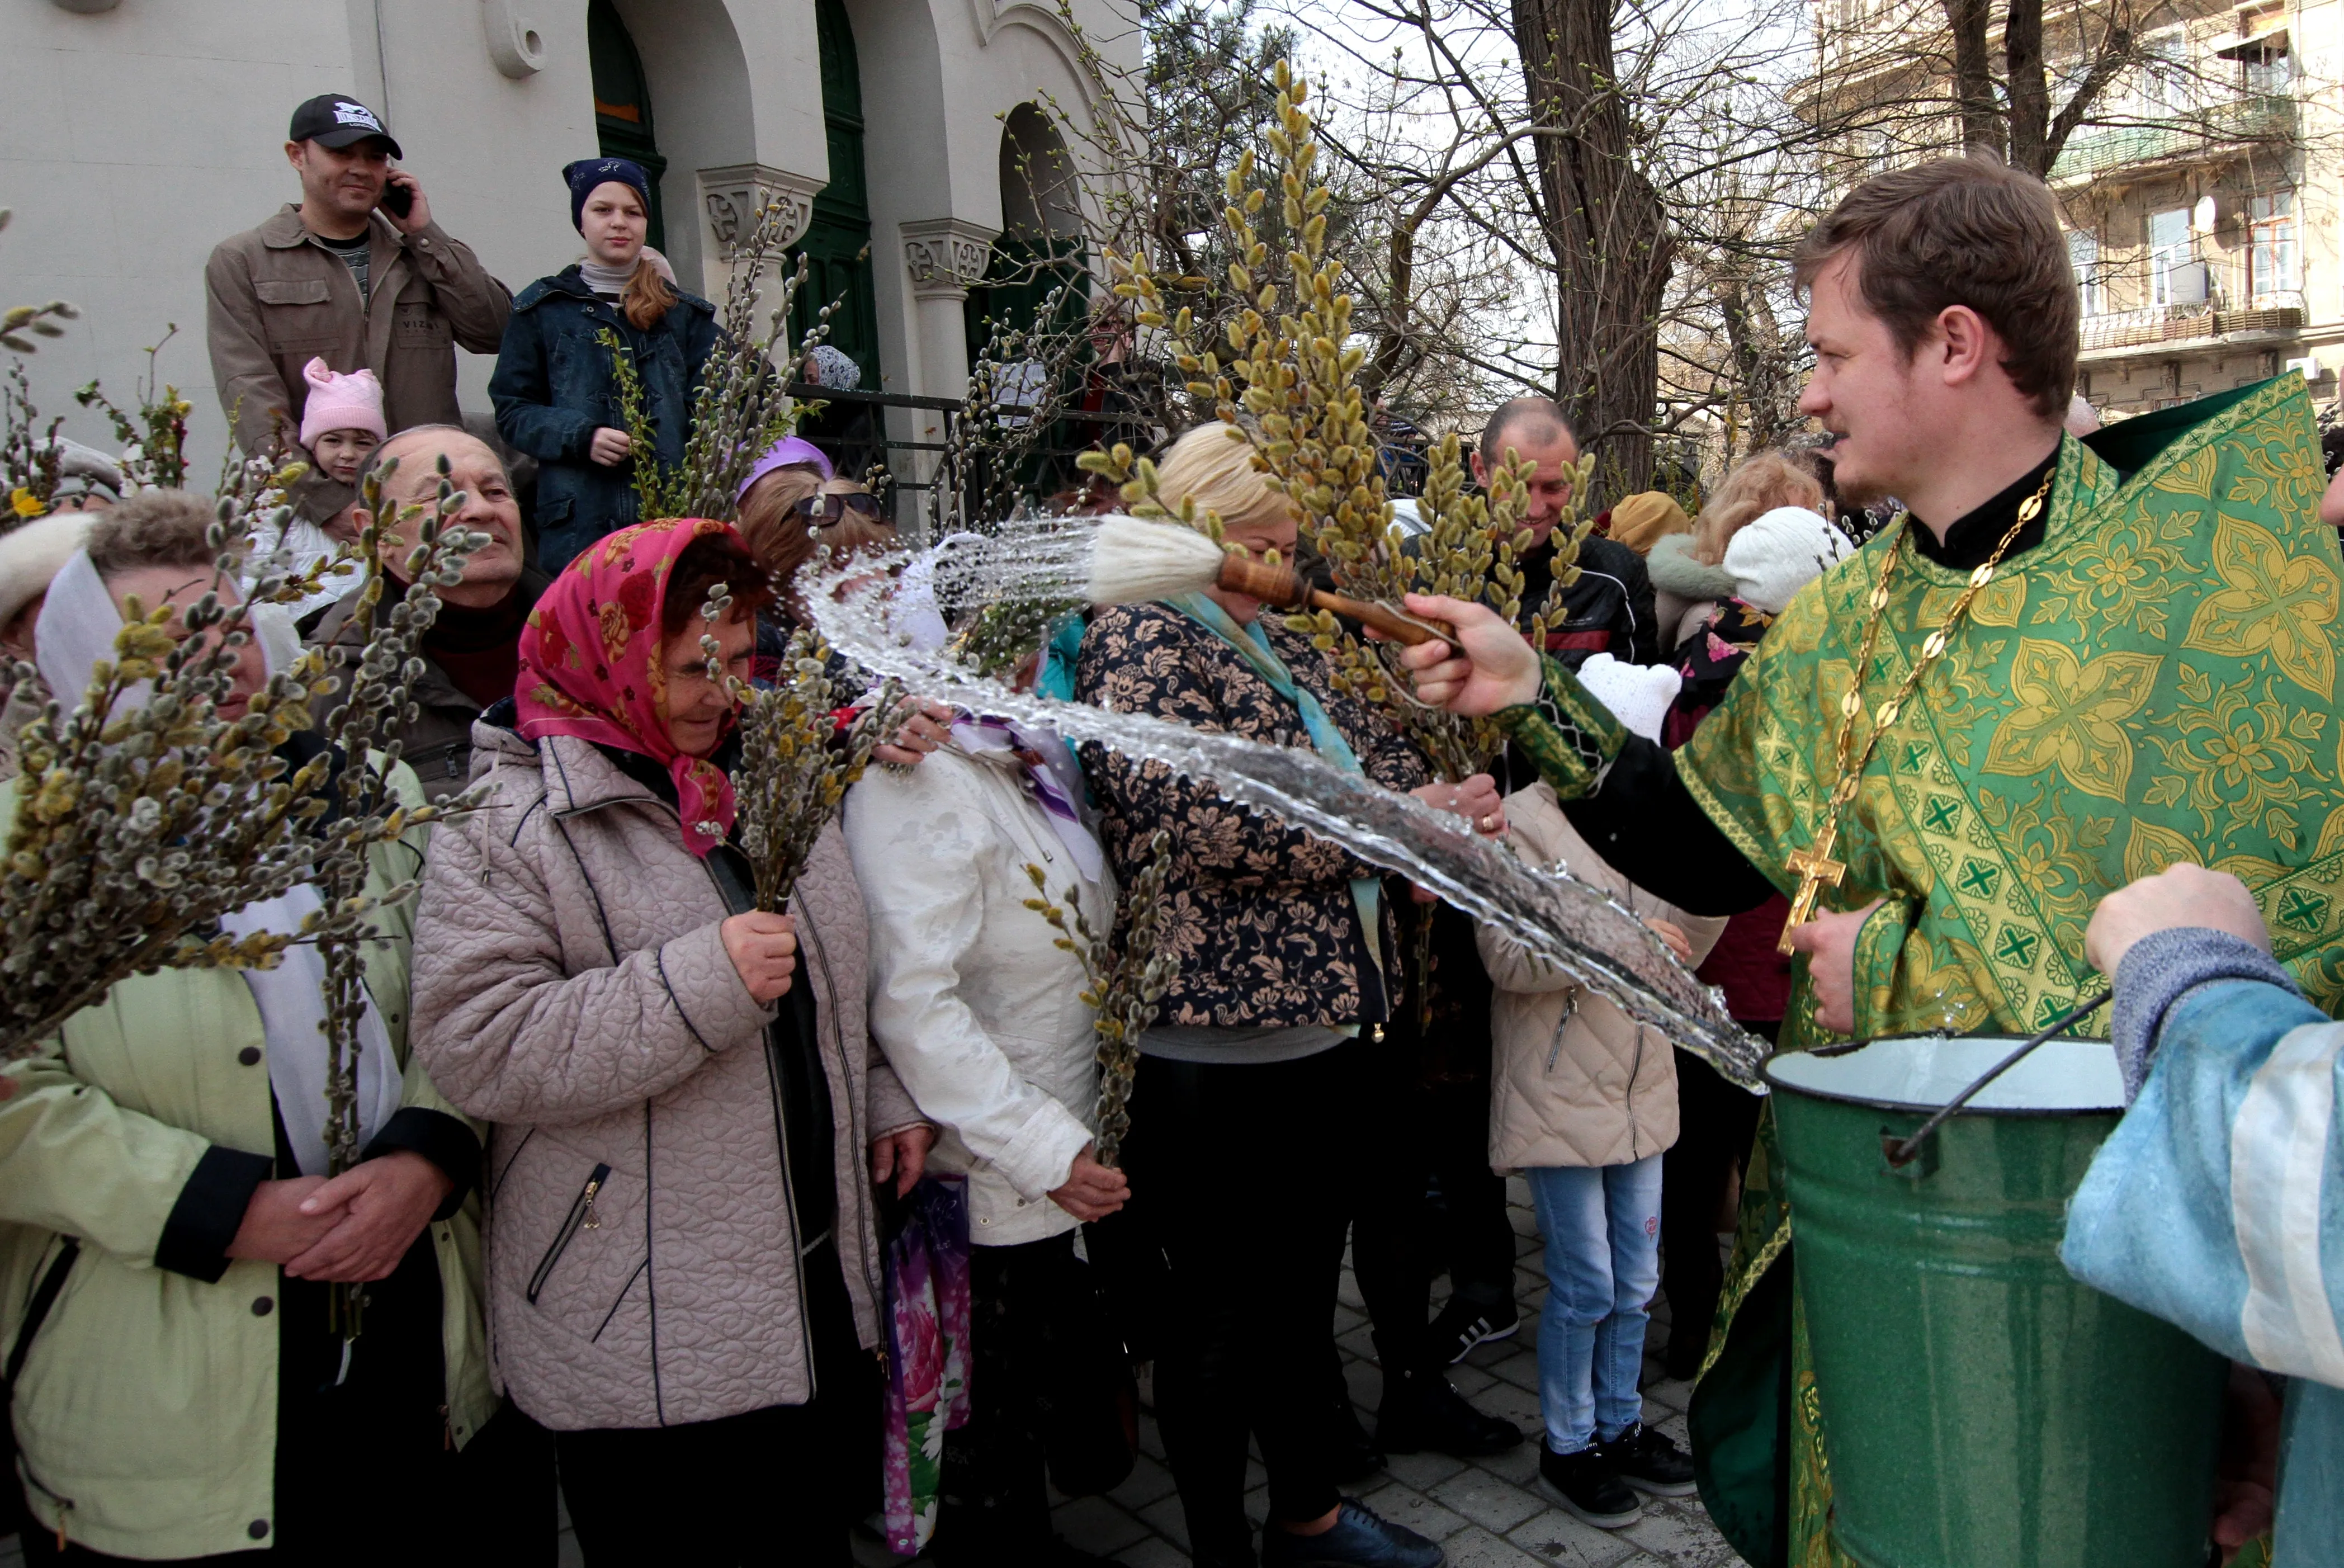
(2068, 664)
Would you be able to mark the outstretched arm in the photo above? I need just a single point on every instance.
(1622, 791)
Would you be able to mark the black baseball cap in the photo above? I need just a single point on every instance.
(335, 121)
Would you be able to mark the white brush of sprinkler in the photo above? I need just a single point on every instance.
(1133, 562)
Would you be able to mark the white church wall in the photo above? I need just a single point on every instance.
(141, 136)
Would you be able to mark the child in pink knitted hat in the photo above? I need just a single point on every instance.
(341, 423)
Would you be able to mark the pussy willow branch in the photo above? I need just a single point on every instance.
(136, 831)
(740, 409)
(366, 812)
(796, 762)
(1127, 978)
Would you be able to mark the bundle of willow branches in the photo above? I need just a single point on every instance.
(1015, 395)
(1127, 977)
(154, 438)
(364, 723)
(741, 409)
(1290, 381)
(139, 825)
(795, 763)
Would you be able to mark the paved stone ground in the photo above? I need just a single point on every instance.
(1488, 1512)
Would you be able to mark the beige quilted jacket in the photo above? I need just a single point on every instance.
(1573, 1080)
(571, 988)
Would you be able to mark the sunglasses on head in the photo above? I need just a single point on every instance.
(820, 509)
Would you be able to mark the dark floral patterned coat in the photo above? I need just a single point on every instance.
(1259, 914)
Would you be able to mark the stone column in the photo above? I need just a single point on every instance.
(943, 256)
(731, 199)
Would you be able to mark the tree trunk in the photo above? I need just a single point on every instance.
(1982, 123)
(2031, 149)
(1761, 374)
(1604, 226)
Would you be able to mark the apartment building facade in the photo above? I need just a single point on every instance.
(2201, 206)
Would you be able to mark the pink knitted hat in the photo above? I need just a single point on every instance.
(337, 402)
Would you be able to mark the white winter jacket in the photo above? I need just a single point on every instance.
(979, 1013)
(1573, 1080)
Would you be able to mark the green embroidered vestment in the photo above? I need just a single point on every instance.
(2154, 683)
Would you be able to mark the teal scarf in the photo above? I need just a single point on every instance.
(1250, 641)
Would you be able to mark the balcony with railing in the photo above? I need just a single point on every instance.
(2189, 135)
(2180, 293)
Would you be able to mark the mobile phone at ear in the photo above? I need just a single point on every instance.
(397, 200)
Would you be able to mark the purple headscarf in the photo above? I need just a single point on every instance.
(781, 454)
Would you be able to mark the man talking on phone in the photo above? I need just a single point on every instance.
(357, 274)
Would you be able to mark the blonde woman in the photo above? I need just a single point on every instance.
(1285, 975)
(1689, 574)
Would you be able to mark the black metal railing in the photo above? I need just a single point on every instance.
(851, 431)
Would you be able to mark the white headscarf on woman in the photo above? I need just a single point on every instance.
(75, 630)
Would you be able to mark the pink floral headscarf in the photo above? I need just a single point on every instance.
(591, 666)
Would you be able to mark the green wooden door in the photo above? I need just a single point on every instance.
(837, 243)
(622, 103)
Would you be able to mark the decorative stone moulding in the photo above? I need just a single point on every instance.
(731, 197)
(514, 42)
(946, 255)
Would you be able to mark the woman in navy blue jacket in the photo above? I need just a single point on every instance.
(556, 395)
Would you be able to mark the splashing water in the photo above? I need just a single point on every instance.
(1586, 934)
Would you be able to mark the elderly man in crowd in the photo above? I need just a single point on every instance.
(359, 274)
(471, 654)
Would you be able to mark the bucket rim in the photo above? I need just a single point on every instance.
(1922, 1107)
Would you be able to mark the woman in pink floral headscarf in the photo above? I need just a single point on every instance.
(683, 1271)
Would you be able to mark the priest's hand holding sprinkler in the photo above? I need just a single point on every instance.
(1490, 668)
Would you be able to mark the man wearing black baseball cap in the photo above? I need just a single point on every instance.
(357, 274)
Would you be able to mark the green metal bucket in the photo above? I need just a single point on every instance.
(1980, 1407)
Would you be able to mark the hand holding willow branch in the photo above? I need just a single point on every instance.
(365, 810)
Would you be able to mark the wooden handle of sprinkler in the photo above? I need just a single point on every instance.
(1278, 585)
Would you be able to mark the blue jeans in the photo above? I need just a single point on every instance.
(1602, 1230)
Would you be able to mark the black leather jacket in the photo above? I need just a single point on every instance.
(1608, 610)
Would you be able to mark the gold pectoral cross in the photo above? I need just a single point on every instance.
(1815, 866)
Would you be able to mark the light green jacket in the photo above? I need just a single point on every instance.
(146, 1414)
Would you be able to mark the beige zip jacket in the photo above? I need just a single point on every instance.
(1572, 1080)
(571, 988)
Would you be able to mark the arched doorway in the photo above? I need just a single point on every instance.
(837, 241)
(622, 102)
(1042, 249)
(1042, 243)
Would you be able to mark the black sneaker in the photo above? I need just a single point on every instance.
(1358, 1540)
(1422, 1411)
(1585, 1483)
(1649, 1462)
(1464, 1324)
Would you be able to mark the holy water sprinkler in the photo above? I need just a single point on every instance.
(1133, 562)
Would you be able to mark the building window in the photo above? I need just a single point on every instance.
(2084, 255)
(2273, 262)
(2270, 70)
(2175, 277)
(2164, 87)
